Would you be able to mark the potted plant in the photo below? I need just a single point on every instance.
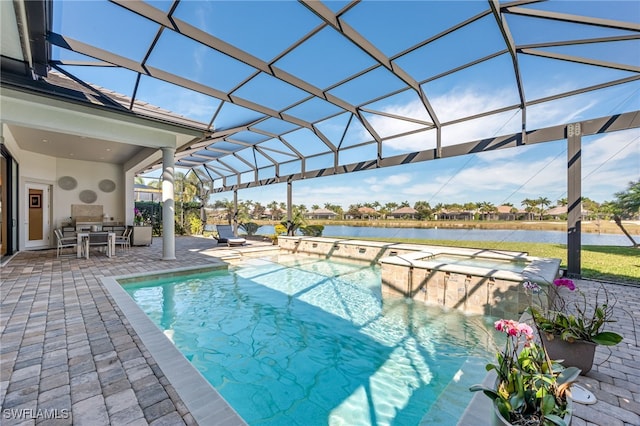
(571, 328)
(530, 388)
(279, 229)
(138, 218)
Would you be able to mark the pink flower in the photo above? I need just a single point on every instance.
(514, 328)
(526, 330)
(534, 287)
(564, 282)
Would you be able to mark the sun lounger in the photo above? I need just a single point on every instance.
(225, 235)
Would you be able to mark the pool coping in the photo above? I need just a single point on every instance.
(204, 402)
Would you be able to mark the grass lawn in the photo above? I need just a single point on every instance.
(607, 263)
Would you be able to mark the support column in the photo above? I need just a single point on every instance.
(235, 212)
(289, 208)
(168, 205)
(574, 199)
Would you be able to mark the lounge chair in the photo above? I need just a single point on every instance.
(225, 235)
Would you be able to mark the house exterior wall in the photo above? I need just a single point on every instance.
(43, 169)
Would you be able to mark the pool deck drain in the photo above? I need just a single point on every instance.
(67, 347)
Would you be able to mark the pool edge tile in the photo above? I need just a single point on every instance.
(188, 382)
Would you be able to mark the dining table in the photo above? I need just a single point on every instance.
(83, 241)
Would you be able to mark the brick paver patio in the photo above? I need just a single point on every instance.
(70, 356)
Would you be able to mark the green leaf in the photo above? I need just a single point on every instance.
(548, 404)
(556, 420)
(607, 338)
(504, 409)
(569, 374)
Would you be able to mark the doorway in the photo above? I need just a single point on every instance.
(37, 216)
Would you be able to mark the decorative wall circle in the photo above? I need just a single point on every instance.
(107, 185)
(67, 183)
(88, 196)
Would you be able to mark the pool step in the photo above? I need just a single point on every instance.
(228, 254)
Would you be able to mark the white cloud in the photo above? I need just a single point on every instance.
(391, 180)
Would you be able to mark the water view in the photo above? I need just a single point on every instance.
(511, 235)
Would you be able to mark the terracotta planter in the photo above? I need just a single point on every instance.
(575, 354)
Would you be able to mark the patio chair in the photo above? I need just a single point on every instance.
(100, 240)
(225, 235)
(64, 243)
(124, 240)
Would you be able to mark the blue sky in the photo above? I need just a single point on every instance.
(265, 28)
(508, 176)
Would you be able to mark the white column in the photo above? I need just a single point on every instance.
(129, 199)
(168, 205)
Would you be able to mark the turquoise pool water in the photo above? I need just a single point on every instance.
(302, 341)
(480, 262)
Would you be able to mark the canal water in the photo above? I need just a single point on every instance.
(553, 237)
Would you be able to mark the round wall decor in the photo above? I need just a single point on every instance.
(67, 183)
(107, 185)
(88, 196)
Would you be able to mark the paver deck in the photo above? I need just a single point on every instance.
(69, 355)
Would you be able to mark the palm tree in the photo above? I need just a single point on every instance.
(529, 206)
(423, 208)
(543, 202)
(486, 208)
(275, 212)
(627, 205)
(258, 210)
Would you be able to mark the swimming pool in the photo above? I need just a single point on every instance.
(292, 340)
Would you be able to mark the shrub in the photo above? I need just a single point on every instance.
(312, 230)
(250, 227)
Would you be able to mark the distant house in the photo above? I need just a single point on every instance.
(276, 214)
(321, 214)
(143, 192)
(403, 212)
(508, 213)
(559, 212)
(454, 215)
(367, 213)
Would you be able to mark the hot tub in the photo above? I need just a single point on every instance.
(487, 282)
(484, 282)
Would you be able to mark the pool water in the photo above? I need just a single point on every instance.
(480, 262)
(303, 341)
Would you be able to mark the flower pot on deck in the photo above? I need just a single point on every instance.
(498, 420)
(578, 353)
(141, 235)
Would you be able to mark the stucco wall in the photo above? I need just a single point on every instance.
(43, 169)
(89, 174)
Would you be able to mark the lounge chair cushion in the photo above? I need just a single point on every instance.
(236, 241)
